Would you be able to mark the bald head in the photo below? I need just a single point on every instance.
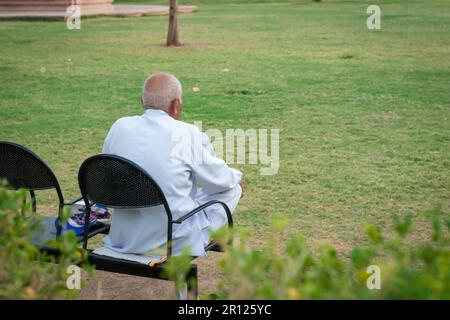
(160, 90)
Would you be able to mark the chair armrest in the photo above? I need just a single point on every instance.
(204, 206)
(72, 202)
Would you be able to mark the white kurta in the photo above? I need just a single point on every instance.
(164, 147)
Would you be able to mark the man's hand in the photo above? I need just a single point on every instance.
(242, 187)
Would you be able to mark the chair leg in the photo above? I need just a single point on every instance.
(188, 290)
(181, 291)
(192, 283)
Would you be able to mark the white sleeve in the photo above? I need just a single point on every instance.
(211, 172)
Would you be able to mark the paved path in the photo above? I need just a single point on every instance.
(117, 10)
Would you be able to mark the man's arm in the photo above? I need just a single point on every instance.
(211, 172)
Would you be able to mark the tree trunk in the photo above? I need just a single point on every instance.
(172, 34)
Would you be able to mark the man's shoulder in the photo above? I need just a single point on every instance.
(173, 125)
(128, 119)
(187, 127)
(125, 121)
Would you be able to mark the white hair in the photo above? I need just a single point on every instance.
(161, 95)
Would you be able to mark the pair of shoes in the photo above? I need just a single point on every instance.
(76, 222)
(78, 219)
(102, 213)
(99, 213)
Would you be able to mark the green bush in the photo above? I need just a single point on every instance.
(408, 270)
(25, 272)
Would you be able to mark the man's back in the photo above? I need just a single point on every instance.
(148, 141)
(177, 156)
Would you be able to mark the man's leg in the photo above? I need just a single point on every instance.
(216, 214)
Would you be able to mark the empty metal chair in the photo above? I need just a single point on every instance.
(22, 168)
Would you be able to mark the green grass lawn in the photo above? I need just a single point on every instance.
(363, 115)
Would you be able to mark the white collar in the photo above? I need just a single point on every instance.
(155, 113)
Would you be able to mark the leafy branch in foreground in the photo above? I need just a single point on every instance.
(408, 270)
(25, 272)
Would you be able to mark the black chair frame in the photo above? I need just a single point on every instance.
(24, 169)
(91, 194)
(24, 181)
(14, 160)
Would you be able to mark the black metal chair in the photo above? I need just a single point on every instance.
(119, 183)
(22, 168)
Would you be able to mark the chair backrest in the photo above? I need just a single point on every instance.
(22, 168)
(116, 182)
